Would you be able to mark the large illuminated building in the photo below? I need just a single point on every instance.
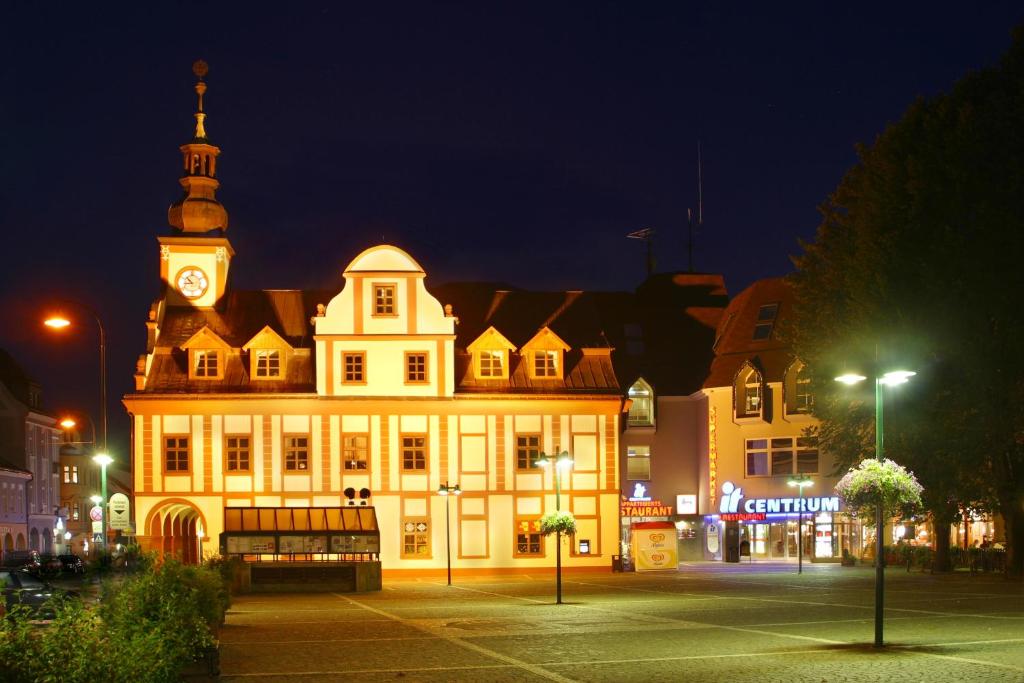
(380, 391)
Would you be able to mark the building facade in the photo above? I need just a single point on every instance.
(380, 392)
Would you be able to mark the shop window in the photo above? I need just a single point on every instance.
(782, 457)
(384, 300)
(237, 448)
(641, 411)
(354, 368)
(355, 452)
(527, 451)
(414, 453)
(415, 538)
(176, 454)
(638, 463)
(296, 453)
(268, 363)
(529, 540)
(415, 368)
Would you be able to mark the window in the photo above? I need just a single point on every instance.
(492, 363)
(74, 474)
(67, 474)
(76, 512)
(799, 399)
(415, 538)
(354, 367)
(268, 363)
(207, 364)
(296, 453)
(638, 463)
(414, 453)
(383, 299)
(640, 412)
(355, 451)
(176, 454)
(545, 363)
(238, 453)
(748, 393)
(803, 398)
(529, 541)
(765, 321)
(527, 451)
(781, 457)
(415, 368)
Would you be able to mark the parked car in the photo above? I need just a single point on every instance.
(23, 558)
(50, 566)
(19, 587)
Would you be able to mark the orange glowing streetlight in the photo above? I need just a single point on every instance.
(60, 322)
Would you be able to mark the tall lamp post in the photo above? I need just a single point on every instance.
(888, 379)
(58, 322)
(561, 461)
(800, 483)
(102, 459)
(449, 490)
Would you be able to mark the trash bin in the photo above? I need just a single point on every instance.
(616, 563)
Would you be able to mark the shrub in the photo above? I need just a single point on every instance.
(560, 521)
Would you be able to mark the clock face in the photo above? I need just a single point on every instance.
(192, 282)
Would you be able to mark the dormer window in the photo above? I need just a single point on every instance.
(492, 363)
(799, 399)
(748, 393)
(641, 411)
(545, 364)
(206, 363)
(384, 300)
(268, 363)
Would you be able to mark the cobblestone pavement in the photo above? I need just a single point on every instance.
(709, 622)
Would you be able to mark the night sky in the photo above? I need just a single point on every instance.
(516, 143)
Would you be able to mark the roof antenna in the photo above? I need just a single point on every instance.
(645, 234)
(700, 208)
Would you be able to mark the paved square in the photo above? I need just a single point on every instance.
(709, 622)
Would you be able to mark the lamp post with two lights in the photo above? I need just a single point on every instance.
(560, 461)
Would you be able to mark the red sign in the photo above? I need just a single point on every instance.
(743, 516)
(644, 508)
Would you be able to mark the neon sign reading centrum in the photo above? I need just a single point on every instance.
(732, 494)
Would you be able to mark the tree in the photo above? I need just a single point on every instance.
(919, 261)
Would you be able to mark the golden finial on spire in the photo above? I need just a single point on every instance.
(200, 69)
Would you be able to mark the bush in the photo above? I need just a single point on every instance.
(146, 628)
(561, 521)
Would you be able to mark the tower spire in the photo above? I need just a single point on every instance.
(198, 211)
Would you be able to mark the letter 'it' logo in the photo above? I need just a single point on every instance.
(731, 495)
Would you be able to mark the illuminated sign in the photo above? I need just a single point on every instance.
(712, 455)
(686, 504)
(743, 516)
(640, 492)
(732, 494)
(644, 508)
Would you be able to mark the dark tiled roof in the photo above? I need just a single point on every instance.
(735, 335)
(169, 375)
(8, 467)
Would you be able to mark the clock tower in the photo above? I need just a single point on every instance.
(194, 260)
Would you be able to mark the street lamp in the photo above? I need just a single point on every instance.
(102, 459)
(561, 461)
(58, 322)
(800, 483)
(892, 378)
(447, 489)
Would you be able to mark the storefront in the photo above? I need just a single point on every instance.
(640, 508)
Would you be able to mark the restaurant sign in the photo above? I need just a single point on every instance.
(652, 507)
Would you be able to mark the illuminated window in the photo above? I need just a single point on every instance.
(383, 299)
(74, 474)
(799, 399)
(268, 363)
(176, 454)
(638, 463)
(527, 451)
(780, 457)
(415, 368)
(529, 540)
(76, 512)
(67, 474)
(415, 537)
(354, 367)
(238, 453)
(641, 412)
(748, 393)
(545, 363)
(206, 363)
(492, 363)
(414, 453)
(296, 453)
(355, 451)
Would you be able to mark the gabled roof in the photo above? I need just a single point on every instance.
(266, 338)
(735, 335)
(491, 339)
(205, 339)
(546, 340)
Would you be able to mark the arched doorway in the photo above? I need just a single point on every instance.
(20, 543)
(8, 544)
(173, 529)
(34, 540)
